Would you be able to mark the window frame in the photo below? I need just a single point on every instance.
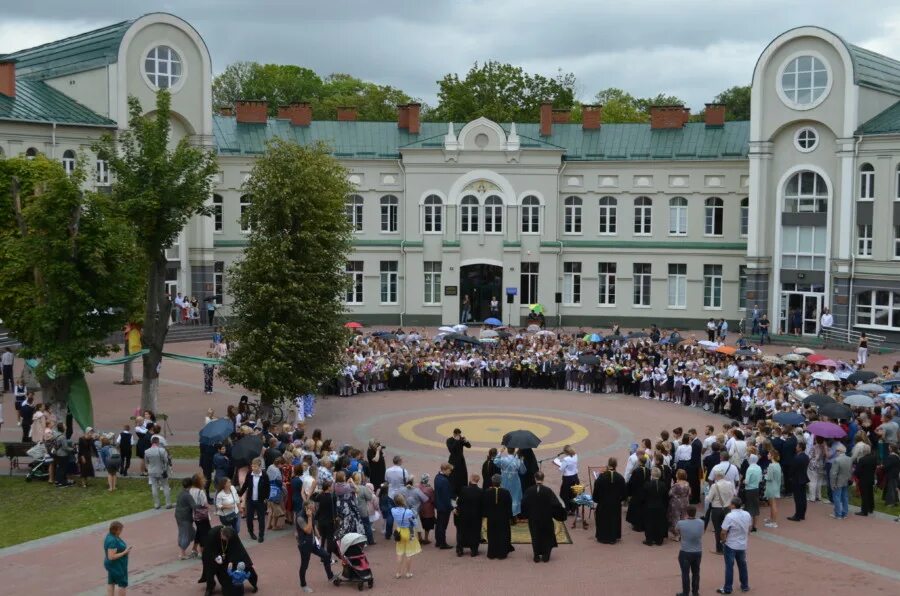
(152, 79)
(469, 215)
(713, 281)
(531, 215)
(744, 218)
(528, 282)
(892, 309)
(432, 272)
(389, 278)
(69, 160)
(573, 216)
(608, 214)
(244, 203)
(386, 205)
(643, 214)
(219, 281)
(864, 244)
(714, 217)
(820, 200)
(606, 284)
(797, 266)
(572, 271)
(743, 280)
(783, 93)
(799, 139)
(433, 207)
(493, 214)
(357, 282)
(680, 287)
(218, 213)
(675, 210)
(102, 176)
(644, 289)
(866, 183)
(354, 209)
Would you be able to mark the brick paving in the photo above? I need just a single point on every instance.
(818, 556)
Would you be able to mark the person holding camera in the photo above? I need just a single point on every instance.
(306, 543)
(455, 445)
(375, 457)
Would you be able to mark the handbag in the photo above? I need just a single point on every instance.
(229, 518)
(397, 529)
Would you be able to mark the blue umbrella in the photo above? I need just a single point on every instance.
(791, 418)
(596, 338)
(493, 321)
(216, 431)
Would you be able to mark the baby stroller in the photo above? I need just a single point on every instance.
(39, 468)
(355, 564)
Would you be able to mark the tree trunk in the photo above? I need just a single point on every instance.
(127, 369)
(156, 326)
(55, 394)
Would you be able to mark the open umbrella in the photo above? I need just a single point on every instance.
(791, 418)
(772, 359)
(794, 358)
(464, 339)
(818, 399)
(859, 401)
(353, 325)
(521, 439)
(380, 332)
(533, 328)
(460, 328)
(827, 363)
(749, 363)
(744, 352)
(814, 358)
(890, 398)
(446, 329)
(216, 431)
(246, 450)
(861, 376)
(727, 350)
(216, 297)
(390, 336)
(824, 375)
(545, 332)
(504, 334)
(871, 388)
(675, 339)
(708, 344)
(488, 333)
(488, 340)
(836, 410)
(890, 383)
(537, 308)
(589, 359)
(596, 338)
(829, 430)
(493, 321)
(803, 351)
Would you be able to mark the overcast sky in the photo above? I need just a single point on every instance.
(692, 49)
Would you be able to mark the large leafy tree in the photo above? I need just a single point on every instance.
(501, 92)
(621, 106)
(287, 287)
(737, 102)
(159, 190)
(69, 274)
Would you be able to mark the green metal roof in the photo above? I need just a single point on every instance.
(86, 51)
(36, 101)
(874, 70)
(886, 122)
(384, 140)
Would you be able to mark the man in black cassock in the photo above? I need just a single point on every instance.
(693, 469)
(656, 502)
(496, 506)
(609, 494)
(222, 550)
(531, 468)
(468, 516)
(635, 513)
(457, 459)
(541, 506)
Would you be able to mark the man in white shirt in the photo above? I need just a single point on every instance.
(708, 440)
(396, 476)
(631, 464)
(720, 494)
(568, 468)
(7, 360)
(735, 533)
(729, 471)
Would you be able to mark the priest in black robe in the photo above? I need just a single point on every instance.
(542, 508)
(457, 459)
(635, 513)
(222, 551)
(609, 494)
(467, 517)
(656, 501)
(531, 468)
(496, 505)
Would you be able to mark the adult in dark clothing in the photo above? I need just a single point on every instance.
(891, 465)
(125, 449)
(865, 474)
(496, 505)
(635, 513)
(207, 452)
(455, 445)
(223, 549)
(542, 507)
(256, 487)
(443, 494)
(306, 544)
(488, 469)
(468, 517)
(693, 468)
(27, 413)
(787, 451)
(799, 479)
(609, 494)
(531, 468)
(656, 499)
(325, 516)
(375, 457)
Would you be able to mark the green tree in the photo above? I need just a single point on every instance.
(373, 102)
(500, 92)
(68, 278)
(737, 102)
(621, 106)
(287, 288)
(158, 190)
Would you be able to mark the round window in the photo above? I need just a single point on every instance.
(804, 82)
(163, 67)
(806, 139)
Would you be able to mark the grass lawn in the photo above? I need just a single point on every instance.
(184, 451)
(36, 509)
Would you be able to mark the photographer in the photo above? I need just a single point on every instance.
(455, 445)
(306, 543)
(375, 457)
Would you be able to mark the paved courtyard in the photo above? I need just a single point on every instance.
(818, 556)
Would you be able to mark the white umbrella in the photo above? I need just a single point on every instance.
(447, 329)
(824, 376)
(772, 359)
(708, 344)
(533, 328)
(871, 388)
(859, 401)
(794, 358)
(544, 332)
(892, 398)
(805, 351)
(460, 328)
(488, 333)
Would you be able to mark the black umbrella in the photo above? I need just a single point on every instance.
(635, 335)
(791, 418)
(466, 339)
(675, 339)
(589, 359)
(521, 439)
(818, 399)
(216, 297)
(744, 352)
(504, 334)
(861, 376)
(836, 411)
(246, 450)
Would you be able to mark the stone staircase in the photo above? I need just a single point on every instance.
(177, 333)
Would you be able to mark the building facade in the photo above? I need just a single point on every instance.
(671, 222)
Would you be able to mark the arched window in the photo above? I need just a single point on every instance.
(493, 215)
(866, 182)
(218, 204)
(806, 192)
(878, 308)
(643, 216)
(468, 215)
(434, 214)
(31, 153)
(102, 170)
(715, 208)
(531, 215)
(245, 202)
(678, 212)
(572, 223)
(390, 208)
(353, 207)
(745, 216)
(607, 215)
(68, 161)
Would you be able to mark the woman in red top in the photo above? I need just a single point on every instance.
(426, 510)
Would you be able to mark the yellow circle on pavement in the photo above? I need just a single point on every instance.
(489, 426)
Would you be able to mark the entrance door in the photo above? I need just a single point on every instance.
(481, 283)
(800, 311)
(812, 305)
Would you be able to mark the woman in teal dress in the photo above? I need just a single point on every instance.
(115, 560)
(773, 487)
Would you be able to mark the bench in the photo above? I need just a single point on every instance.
(14, 451)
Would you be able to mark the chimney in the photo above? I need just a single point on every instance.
(412, 111)
(8, 77)
(685, 116)
(226, 111)
(251, 111)
(668, 117)
(403, 116)
(546, 119)
(346, 114)
(561, 116)
(299, 113)
(590, 117)
(715, 115)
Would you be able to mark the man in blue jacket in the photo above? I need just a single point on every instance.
(442, 505)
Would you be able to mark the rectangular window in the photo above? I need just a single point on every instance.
(803, 247)
(607, 289)
(643, 218)
(355, 291)
(745, 216)
(677, 285)
(217, 214)
(173, 253)
(389, 281)
(219, 281)
(879, 308)
(245, 203)
(572, 283)
(864, 240)
(678, 213)
(742, 287)
(529, 283)
(389, 212)
(897, 242)
(432, 282)
(712, 286)
(172, 281)
(641, 283)
(102, 176)
(434, 215)
(607, 218)
(867, 184)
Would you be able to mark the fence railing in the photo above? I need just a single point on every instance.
(850, 337)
